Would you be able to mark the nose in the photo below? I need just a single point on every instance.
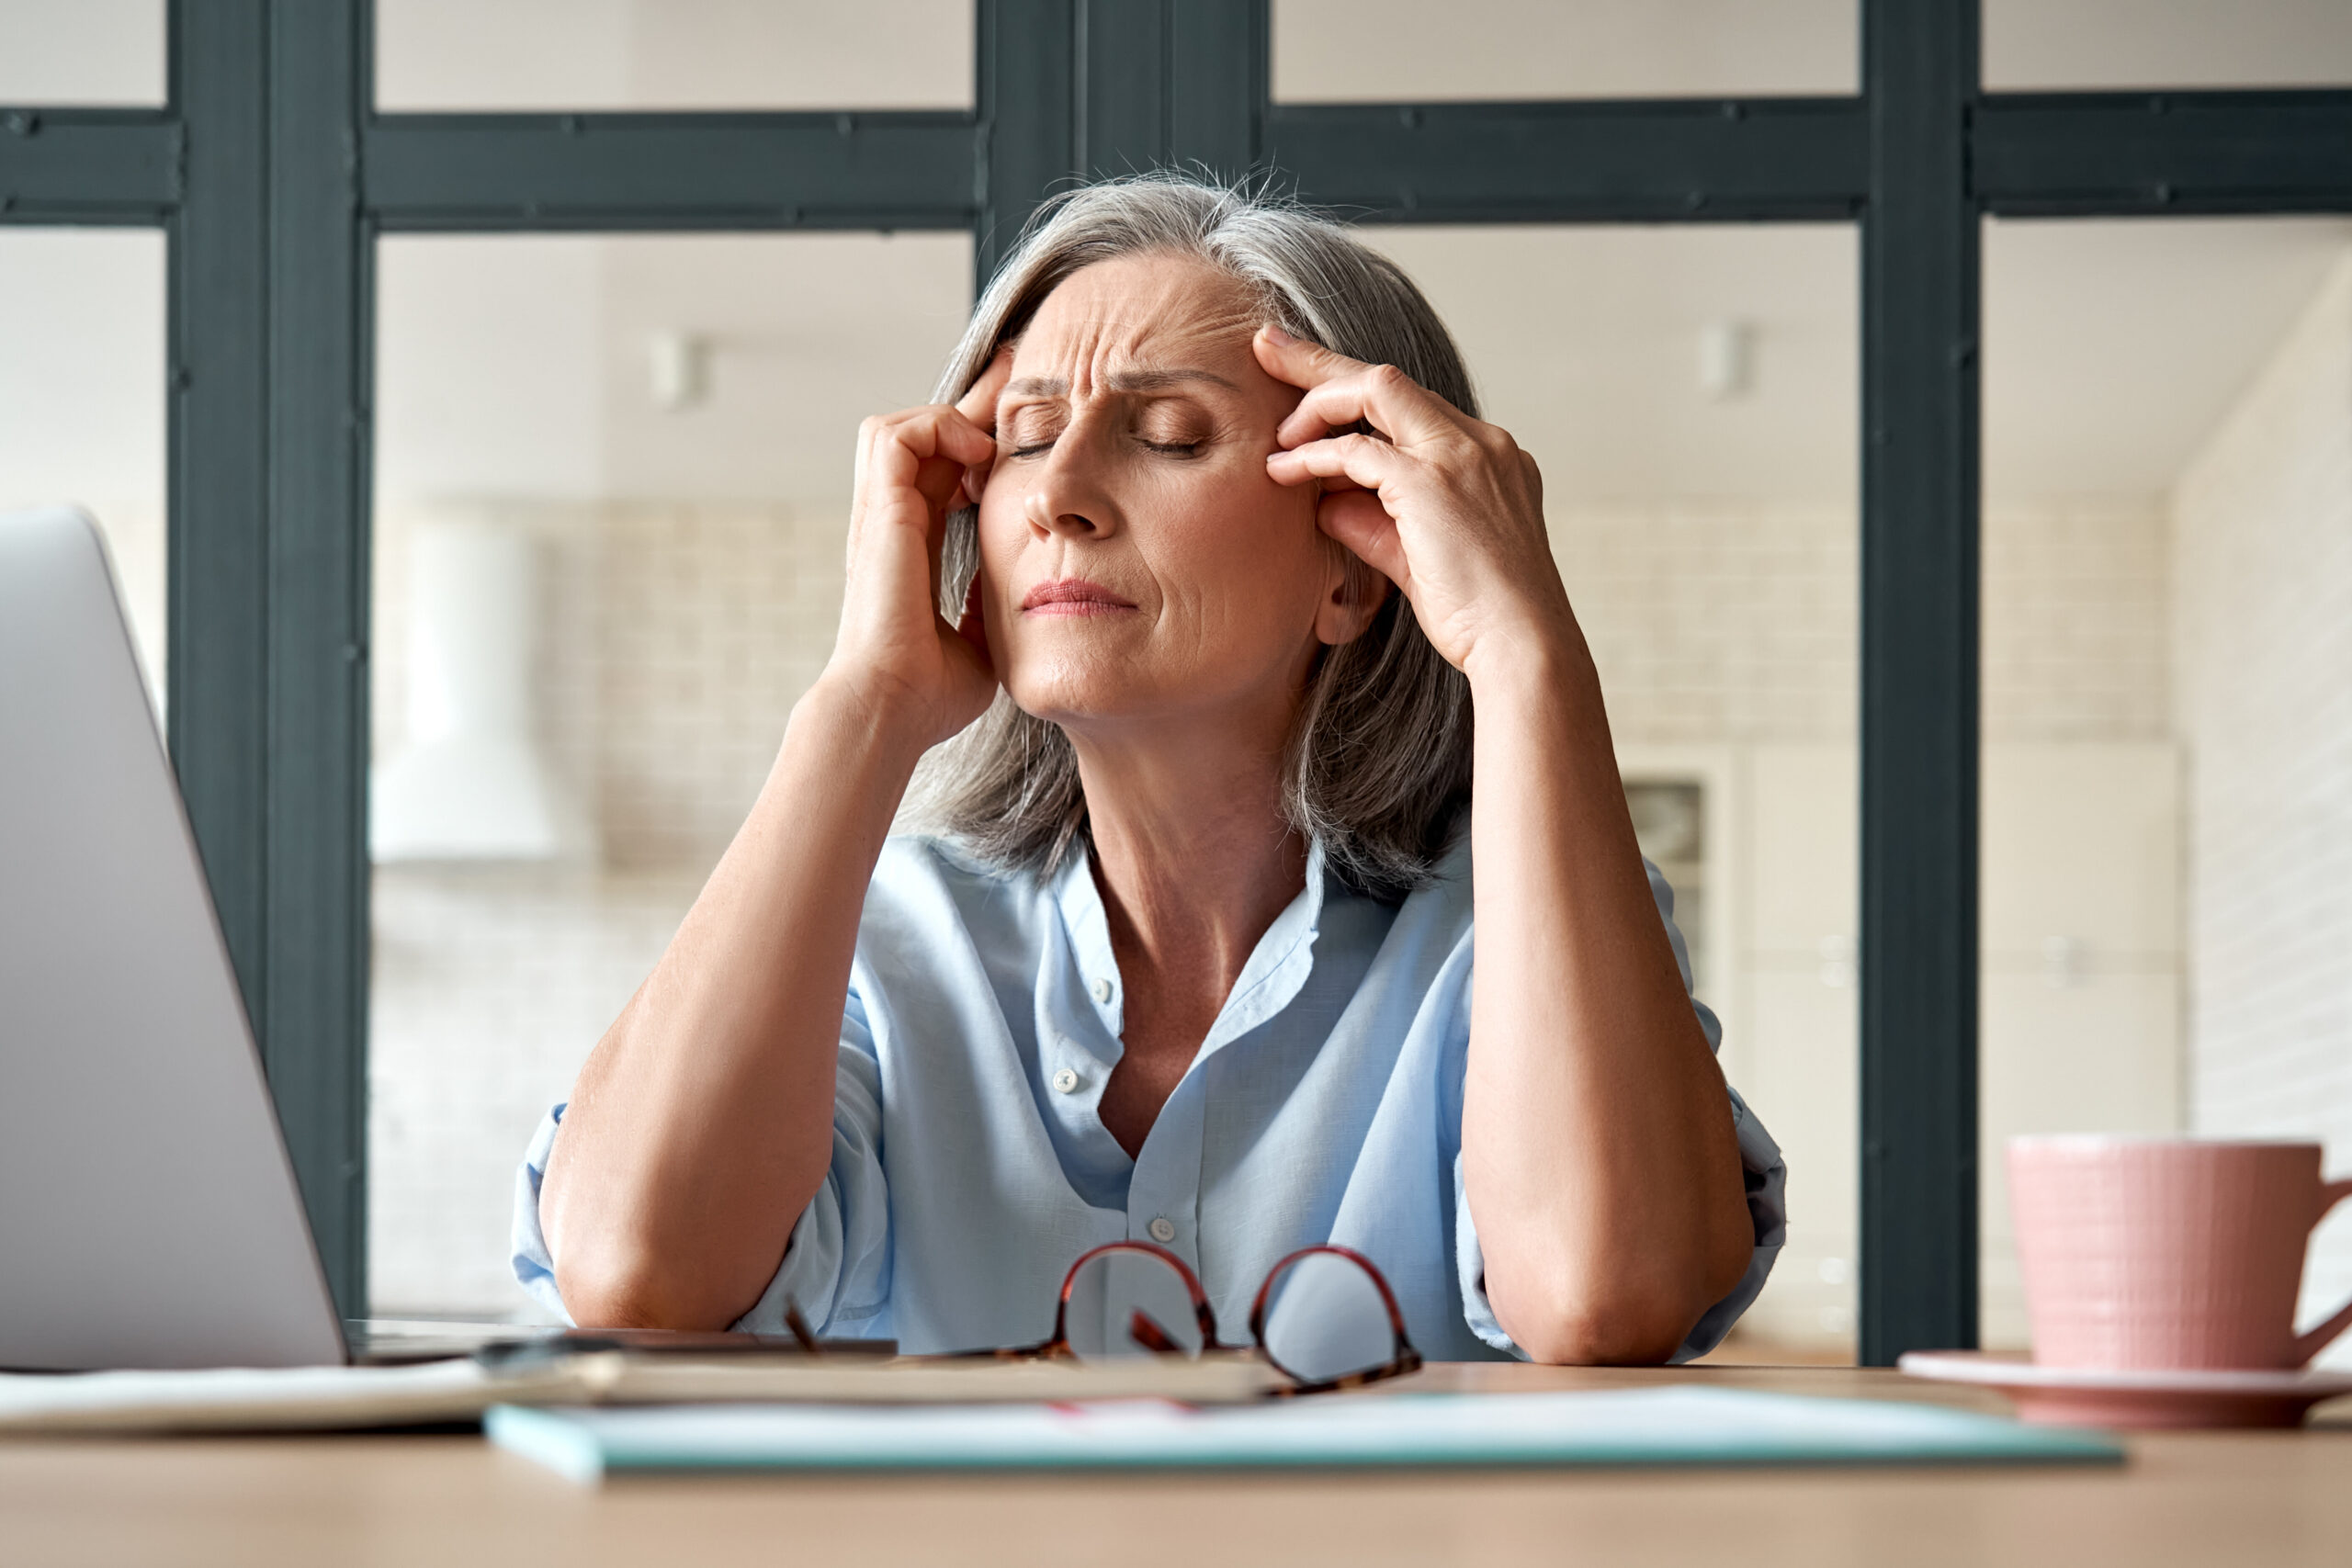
(1072, 496)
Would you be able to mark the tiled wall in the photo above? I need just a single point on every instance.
(674, 641)
(1738, 622)
(2264, 521)
(676, 638)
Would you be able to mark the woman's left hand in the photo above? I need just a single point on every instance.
(1447, 507)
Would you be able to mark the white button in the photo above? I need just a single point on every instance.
(1162, 1230)
(1102, 990)
(1065, 1082)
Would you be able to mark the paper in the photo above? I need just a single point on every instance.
(1648, 1427)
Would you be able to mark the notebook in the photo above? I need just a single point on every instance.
(326, 1398)
(1680, 1425)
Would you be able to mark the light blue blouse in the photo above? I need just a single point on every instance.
(970, 1168)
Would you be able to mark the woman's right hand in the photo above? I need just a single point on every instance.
(895, 654)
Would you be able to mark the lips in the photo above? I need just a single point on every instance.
(1073, 596)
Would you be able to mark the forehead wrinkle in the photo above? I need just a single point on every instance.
(1095, 324)
(1163, 380)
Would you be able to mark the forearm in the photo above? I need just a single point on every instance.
(701, 1126)
(1599, 1159)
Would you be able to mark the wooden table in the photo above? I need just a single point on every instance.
(453, 1501)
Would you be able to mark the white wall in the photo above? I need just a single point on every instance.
(2263, 519)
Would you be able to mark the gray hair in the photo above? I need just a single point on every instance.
(1379, 763)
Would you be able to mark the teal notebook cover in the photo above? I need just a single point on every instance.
(1647, 1427)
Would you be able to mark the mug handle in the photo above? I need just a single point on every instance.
(2318, 1339)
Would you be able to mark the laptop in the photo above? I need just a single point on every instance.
(149, 1215)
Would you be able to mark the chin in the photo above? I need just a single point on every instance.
(1077, 692)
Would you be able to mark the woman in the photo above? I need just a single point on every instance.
(1187, 955)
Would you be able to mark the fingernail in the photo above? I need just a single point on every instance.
(1278, 337)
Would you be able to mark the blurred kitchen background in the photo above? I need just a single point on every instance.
(612, 474)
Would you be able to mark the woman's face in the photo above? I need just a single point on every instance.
(1138, 566)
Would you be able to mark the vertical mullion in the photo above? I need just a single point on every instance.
(1027, 99)
(1919, 594)
(1121, 91)
(1219, 79)
(315, 1045)
(1171, 82)
(1112, 87)
(218, 534)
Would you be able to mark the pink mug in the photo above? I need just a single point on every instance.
(2168, 1252)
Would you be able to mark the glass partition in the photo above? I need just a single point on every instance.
(1690, 394)
(611, 504)
(1378, 51)
(2168, 694)
(82, 400)
(672, 54)
(2059, 44)
(81, 52)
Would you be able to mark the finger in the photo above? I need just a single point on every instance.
(1367, 460)
(1393, 402)
(941, 484)
(1380, 395)
(1357, 520)
(929, 451)
(979, 404)
(1299, 361)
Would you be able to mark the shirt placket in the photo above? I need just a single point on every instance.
(1164, 1191)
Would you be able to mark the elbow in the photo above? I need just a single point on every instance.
(1602, 1340)
(1563, 1318)
(610, 1284)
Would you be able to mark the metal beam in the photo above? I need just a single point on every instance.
(217, 542)
(1220, 70)
(2100, 154)
(314, 1041)
(1919, 593)
(1123, 95)
(63, 165)
(1026, 99)
(1620, 162)
(896, 170)
(1171, 82)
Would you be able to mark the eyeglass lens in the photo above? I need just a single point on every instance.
(1326, 1319)
(1130, 1303)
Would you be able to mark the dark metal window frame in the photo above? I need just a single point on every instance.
(272, 174)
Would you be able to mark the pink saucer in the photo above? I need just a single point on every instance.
(2158, 1397)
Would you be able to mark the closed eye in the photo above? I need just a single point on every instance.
(1172, 448)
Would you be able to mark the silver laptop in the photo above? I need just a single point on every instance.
(149, 1215)
(148, 1211)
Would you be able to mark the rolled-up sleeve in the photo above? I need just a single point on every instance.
(533, 1264)
(836, 1266)
(1764, 1171)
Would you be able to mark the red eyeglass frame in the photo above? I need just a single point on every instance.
(1150, 1335)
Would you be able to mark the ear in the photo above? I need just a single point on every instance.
(1352, 597)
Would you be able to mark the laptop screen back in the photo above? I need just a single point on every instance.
(149, 1215)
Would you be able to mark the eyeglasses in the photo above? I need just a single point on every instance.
(1324, 1318)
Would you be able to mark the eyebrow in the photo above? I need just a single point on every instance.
(1117, 381)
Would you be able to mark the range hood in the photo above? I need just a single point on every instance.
(472, 783)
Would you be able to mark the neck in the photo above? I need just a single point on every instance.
(1192, 855)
